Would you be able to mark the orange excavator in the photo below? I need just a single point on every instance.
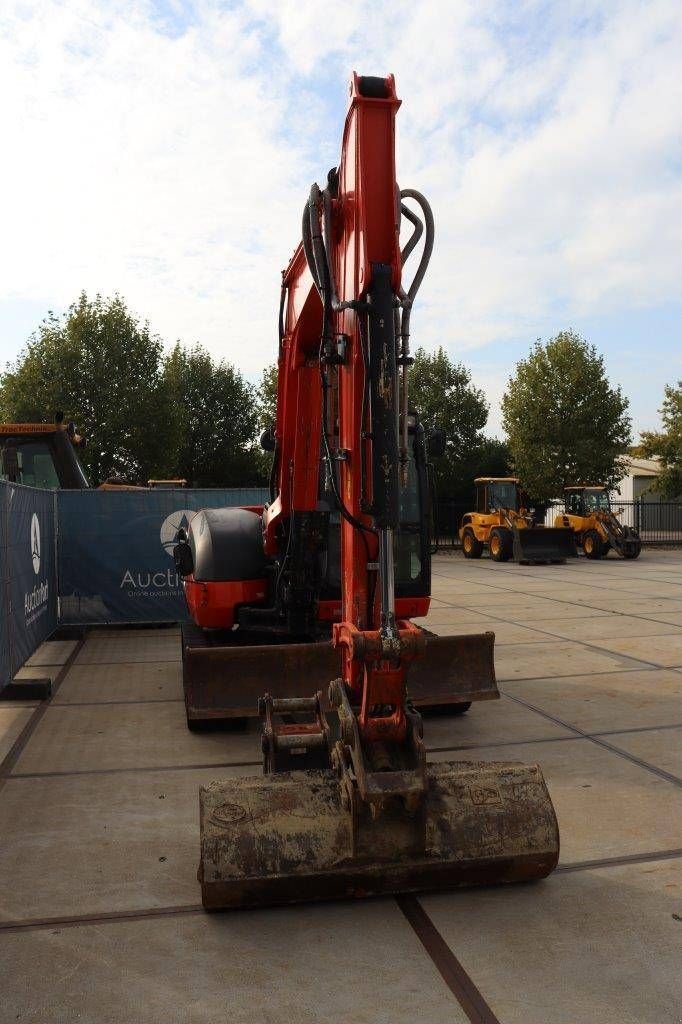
(347, 804)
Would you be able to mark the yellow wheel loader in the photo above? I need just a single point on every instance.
(596, 527)
(508, 530)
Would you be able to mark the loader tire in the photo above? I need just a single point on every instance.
(471, 548)
(633, 550)
(501, 545)
(592, 544)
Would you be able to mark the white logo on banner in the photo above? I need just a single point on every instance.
(35, 543)
(169, 528)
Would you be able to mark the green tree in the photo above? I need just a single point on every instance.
(442, 393)
(564, 421)
(102, 367)
(267, 397)
(666, 444)
(214, 420)
(266, 410)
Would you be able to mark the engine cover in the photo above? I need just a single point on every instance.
(226, 545)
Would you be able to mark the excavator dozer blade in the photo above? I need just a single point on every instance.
(287, 838)
(223, 682)
(544, 544)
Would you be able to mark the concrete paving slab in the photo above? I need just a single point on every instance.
(117, 650)
(109, 736)
(486, 722)
(533, 613)
(599, 946)
(673, 618)
(552, 658)
(605, 626)
(463, 619)
(113, 842)
(646, 606)
(114, 632)
(13, 719)
(497, 599)
(52, 652)
(307, 965)
(665, 651)
(505, 632)
(617, 700)
(444, 585)
(606, 806)
(122, 682)
(660, 747)
(39, 672)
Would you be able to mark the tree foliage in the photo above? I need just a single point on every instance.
(666, 444)
(143, 415)
(102, 367)
(445, 399)
(266, 397)
(215, 420)
(565, 423)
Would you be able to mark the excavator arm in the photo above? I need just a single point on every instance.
(342, 392)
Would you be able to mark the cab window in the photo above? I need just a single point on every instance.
(574, 503)
(502, 495)
(596, 501)
(35, 465)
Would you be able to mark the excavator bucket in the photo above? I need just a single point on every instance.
(225, 681)
(544, 544)
(292, 837)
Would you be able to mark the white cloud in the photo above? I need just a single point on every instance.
(173, 167)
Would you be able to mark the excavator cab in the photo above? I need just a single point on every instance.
(41, 455)
(595, 525)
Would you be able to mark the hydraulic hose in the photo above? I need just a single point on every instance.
(416, 234)
(406, 303)
(411, 193)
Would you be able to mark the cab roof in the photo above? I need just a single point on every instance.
(586, 487)
(29, 428)
(496, 480)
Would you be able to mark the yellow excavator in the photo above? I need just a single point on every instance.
(596, 527)
(507, 529)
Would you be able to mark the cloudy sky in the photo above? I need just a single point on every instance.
(164, 149)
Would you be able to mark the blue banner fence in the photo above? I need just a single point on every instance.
(28, 574)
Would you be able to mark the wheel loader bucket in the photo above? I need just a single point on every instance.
(289, 837)
(226, 681)
(544, 544)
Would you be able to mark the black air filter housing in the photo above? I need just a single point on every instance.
(227, 545)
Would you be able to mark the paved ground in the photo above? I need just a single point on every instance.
(99, 915)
